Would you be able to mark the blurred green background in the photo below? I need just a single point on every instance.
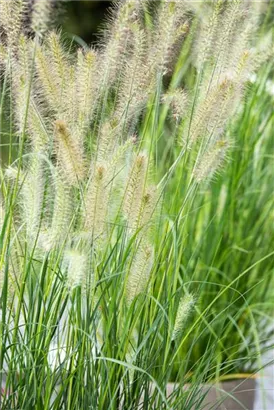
(84, 18)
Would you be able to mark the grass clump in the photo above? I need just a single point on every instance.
(105, 221)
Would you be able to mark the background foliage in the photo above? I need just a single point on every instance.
(84, 18)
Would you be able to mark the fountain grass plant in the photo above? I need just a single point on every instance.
(110, 230)
(227, 248)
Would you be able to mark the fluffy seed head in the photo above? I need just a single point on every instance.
(11, 173)
(12, 14)
(139, 272)
(211, 162)
(148, 210)
(33, 194)
(185, 307)
(2, 215)
(136, 83)
(212, 112)
(135, 190)
(86, 86)
(56, 77)
(177, 100)
(63, 211)
(96, 203)
(119, 40)
(168, 30)
(106, 142)
(70, 155)
(76, 268)
(41, 14)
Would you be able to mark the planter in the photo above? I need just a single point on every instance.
(231, 395)
(228, 395)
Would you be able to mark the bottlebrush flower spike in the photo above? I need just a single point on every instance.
(11, 174)
(12, 14)
(149, 207)
(169, 26)
(2, 215)
(136, 83)
(231, 25)
(118, 40)
(3, 57)
(135, 190)
(106, 143)
(70, 154)
(96, 203)
(185, 307)
(86, 86)
(63, 212)
(57, 55)
(177, 100)
(29, 109)
(77, 268)
(220, 47)
(212, 111)
(208, 35)
(211, 162)
(50, 89)
(56, 76)
(139, 272)
(33, 198)
(41, 15)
